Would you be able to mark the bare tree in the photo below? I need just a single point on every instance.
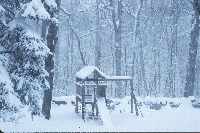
(138, 40)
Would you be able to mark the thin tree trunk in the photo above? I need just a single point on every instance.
(126, 68)
(52, 40)
(98, 37)
(79, 47)
(138, 40)
(117, 23)
(190, 77)
(173, 48)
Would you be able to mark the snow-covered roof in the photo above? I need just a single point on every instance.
(119, 77)
(87, 71)
(89, 84)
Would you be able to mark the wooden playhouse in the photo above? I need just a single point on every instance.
(91, 85)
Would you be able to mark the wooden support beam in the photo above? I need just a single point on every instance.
(131, 84)
(133, 99)
(95, 97)
(83, 103)
(76, 108)
(100, 79)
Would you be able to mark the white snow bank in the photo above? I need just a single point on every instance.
(104, 113)
(35, 9)
(64, 98)
(183, 119)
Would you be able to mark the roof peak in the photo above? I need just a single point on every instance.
(86, 71)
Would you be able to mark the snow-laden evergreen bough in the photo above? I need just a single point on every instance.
(20, 36)
(9, 103)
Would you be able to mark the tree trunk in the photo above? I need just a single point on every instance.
(190, 77)
(138, 40)
(117, 23)
(52, 40)
(98, 37)
(44, 29)
(79, 47)
(173, 49)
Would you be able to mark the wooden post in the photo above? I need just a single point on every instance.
(97, 110)
(93, 104)
(83, 101)
(105, 94)
(95, 95)
(131, 85)
(133, 98)
(76, 108)
(136, 107)
(76, 104)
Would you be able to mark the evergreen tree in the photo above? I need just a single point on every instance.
(21, 36)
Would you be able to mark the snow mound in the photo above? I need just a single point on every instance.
(104, 113)
(64, 119)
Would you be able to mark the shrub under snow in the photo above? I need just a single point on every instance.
(9, 103)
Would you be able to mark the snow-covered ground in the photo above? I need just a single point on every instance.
(184, 118)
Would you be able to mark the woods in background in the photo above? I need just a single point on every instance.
(146, 39)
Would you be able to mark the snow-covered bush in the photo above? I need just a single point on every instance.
(9, 103)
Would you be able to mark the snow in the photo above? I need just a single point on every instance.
(104, 113)
(90, 84)
(117, 23)
(4, 78)
(35, 9)
(51, 3)
(1, 9)
(120, 78)
(87, 71)
(185, 118)
(37, 46)
(2, 16)
(7, 95)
